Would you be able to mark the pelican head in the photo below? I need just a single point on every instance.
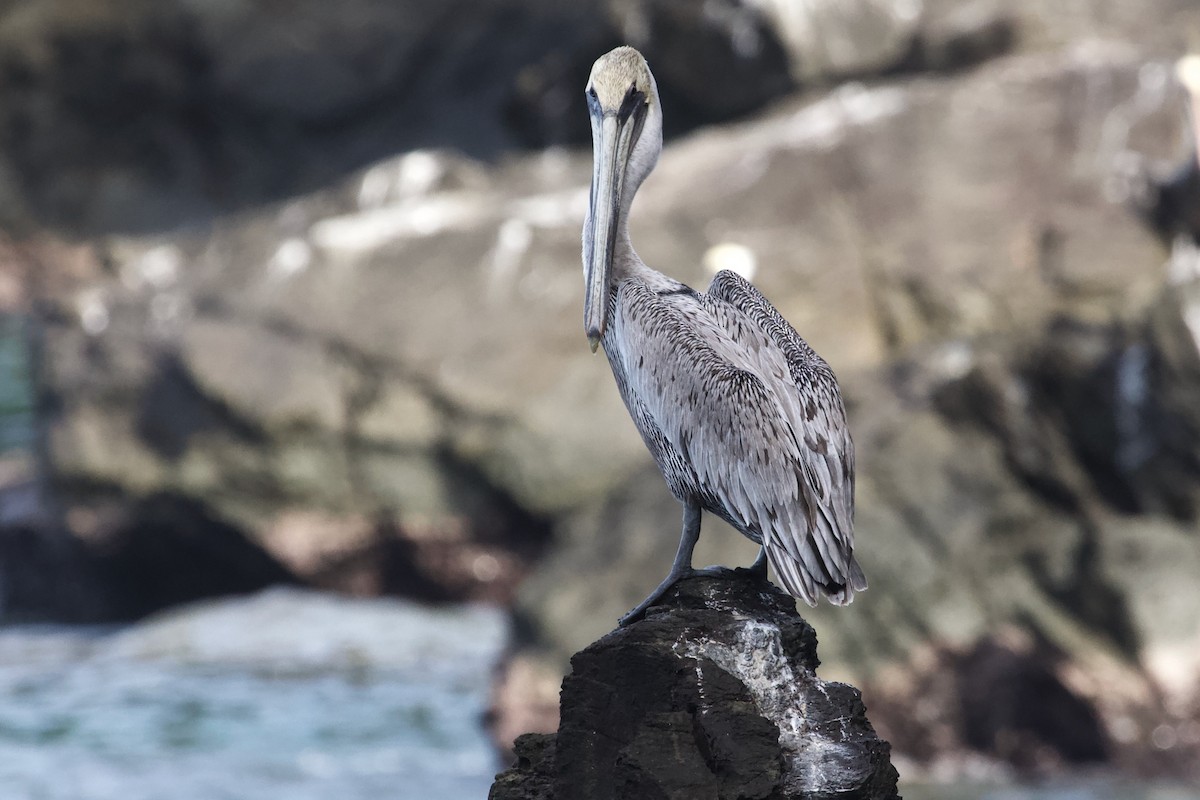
(623, 103)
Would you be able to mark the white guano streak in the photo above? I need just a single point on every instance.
(757, 659)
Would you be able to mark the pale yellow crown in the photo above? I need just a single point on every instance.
(616, 71)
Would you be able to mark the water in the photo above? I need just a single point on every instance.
(285, 695)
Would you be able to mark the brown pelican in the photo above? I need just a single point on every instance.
(742, 417)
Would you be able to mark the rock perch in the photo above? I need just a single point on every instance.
(713, 695)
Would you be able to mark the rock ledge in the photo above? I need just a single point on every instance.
(713, 695)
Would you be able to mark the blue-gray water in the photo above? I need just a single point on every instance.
(285, 695)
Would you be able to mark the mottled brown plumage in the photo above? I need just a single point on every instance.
(743, 418)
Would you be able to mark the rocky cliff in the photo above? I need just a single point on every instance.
(376, 380)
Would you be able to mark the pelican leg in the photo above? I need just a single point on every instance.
(682, 567)
(759, 568)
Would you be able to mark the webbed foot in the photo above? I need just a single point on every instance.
(639, 611)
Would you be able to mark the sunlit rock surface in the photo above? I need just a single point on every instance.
(713, 694)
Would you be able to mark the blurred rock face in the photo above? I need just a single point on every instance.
(137, 115)
(141, 115)
(392, 371)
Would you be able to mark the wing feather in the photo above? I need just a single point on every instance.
(729, 389)
(813, 406)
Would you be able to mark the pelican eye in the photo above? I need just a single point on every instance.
(593, 99)
(634, 99)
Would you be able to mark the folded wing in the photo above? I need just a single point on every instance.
(758, 417)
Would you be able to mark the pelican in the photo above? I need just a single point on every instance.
(743, 418)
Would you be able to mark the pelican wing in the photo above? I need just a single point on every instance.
(812, 404)
(721, 394)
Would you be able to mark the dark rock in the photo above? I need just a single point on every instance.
(1014, 704)
(45, 574)
(963, 37)
(1170, 203)
(710, 66)
(144, 115)
(121, 561)
(713, 694)
(1008, 696)
(532, 776)
(165, 550)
